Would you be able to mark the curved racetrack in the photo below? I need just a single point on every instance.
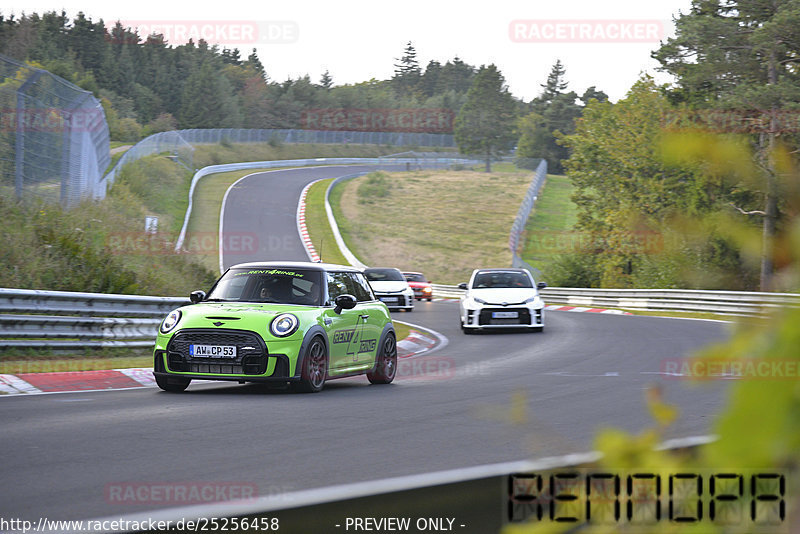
(481, 399)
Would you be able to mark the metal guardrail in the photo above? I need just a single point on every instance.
(726, 302)
(69, 320)
(73, 320)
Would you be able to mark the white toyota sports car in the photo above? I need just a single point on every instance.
(501, 298)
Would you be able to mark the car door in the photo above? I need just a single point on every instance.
(373, 318)
(345, 329)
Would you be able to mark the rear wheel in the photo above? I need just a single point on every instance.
(173, 384)
(386, 363)
(315, 368)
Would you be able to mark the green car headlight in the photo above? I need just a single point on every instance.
(284, 325)
(170, 322)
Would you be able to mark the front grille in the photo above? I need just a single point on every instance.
(251, 352)
(523, 318)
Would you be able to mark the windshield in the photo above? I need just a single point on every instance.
(501, 279)
(384, 275)
(415, 277)
(290, 286)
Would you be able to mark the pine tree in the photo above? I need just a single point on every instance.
(326, 81)
(407, 72)
(485, 124)
(741, 55)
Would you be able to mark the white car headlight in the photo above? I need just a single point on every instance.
(479, 301)
(284, 325)
(530, 300)
(170, 322)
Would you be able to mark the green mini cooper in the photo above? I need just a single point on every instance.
(292, 323)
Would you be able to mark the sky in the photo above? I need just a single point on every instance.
(602, 44)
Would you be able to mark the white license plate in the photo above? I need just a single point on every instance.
(505, 315)
(212, 351)
(389, 300)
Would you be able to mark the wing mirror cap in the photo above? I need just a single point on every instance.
(541, 285)
(344, 302)
(462, 285)
(197, 296)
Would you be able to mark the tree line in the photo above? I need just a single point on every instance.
(148, 85)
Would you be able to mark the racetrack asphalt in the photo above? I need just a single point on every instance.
(482, 399)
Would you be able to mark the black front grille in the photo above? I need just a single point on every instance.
(523, 317)
(251, 352)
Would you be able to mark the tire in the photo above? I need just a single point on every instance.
(430, 300)
(464, 329)
(386, 362)
(173, 384)
(315, 368)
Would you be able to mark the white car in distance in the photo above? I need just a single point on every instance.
(501, 299)
(391, 287)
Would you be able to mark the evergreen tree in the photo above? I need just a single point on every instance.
(554, 114)
(407, 72)
(741, 55)
(485, 124)
(326, 81)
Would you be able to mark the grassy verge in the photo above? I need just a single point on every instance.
(210, 190)
(443, 223)
(318, 226)
(548, 232)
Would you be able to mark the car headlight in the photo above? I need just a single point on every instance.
(530, 300)
(170, 322)
(426, 290)
(284, 325)
(479, 301)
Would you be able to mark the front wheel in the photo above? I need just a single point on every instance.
(386, 363)
(315, 368)
(173, 384)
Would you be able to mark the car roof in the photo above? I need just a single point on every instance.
(501, 270)
(307, 265)
(382, 269)
(411, 272)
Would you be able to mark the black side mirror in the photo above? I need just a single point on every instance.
(462, 285)
(541, 285)
(344, 302)
(197, 296)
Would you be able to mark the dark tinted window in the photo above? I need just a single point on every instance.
(384, 275)
(503, 279)
(364, 290)
(282, 286)
(415, 277)
(350, 284)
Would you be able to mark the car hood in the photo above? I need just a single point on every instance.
(388, 286)
(419, 284)
(240, 315)
(501, 295)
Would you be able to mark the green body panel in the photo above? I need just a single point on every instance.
(352, 338)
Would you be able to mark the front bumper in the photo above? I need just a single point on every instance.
(395, 301)
(253, 361)
(502, 317)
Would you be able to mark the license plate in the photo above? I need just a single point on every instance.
(212, 351)
(390, 300)
(505, 315)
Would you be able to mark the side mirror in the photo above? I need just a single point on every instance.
(197, 296)
(344, 302)
(541, 285)
(462, 285)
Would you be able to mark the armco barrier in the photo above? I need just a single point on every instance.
(71, 320)
(726, 302)
(480, 499)
(65, 319)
